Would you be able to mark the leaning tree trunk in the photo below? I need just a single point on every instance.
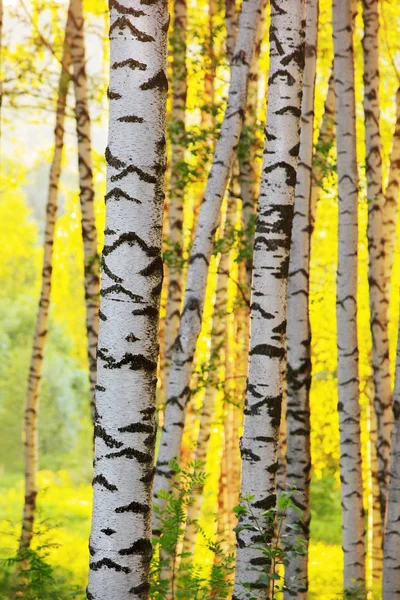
(177, 183)
(298, 457)
(120, 542)
(89, 232)
(42, 320)
(269, 291)
(346, 311)
(217, 347)
(185, 344)
(391, 570)
(376, 268)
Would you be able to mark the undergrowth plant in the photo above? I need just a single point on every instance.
(187, 577)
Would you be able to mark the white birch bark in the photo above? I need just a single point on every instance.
(89, 232)
(391, 562)
(375, 525)
(177, 182)
(120, 542)
(346, 301)
(190, 325)
(376, 268)
(298, 457)
(30, 433)
(270, 274)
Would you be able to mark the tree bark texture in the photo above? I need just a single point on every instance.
(270, 275)
(30, 433)
(185, 344)
(125, 428)
(346, 301)
(376, 250)
(89, 231)
(298, 456)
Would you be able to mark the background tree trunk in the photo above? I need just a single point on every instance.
(346, 302)
(270, 273)
(89, 231)
(125, 429)
(30, 433)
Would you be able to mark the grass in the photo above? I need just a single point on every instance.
(64, 508)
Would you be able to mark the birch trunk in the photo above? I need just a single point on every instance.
(217, 347)
(346, 302)
(391, 201)
(375, 541)
(120, 542)
(391, 564)
(376, 268)
(298, 457)
(185, 343)
(89, 232)
(248, 177)
(177, 183)
(30, 434)
(270, 274)
(231, 27)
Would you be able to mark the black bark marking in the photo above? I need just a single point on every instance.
(147, 311)
(131, 238)
(124, 10)
(141, 546)
(108, 272)
(131, 119)
(107, 439)
(110, 564)
(131, 63)
(282, 73)
(139, 172)
(118, 194)
(256, 307)
(290, 171)
(113, 95)
(113, 161)
(136, 362)
(131, 337)
(154, 268)
(108, 531)
(268, 350)
(124, 23)
(134, 507)
(143, 588)
(137, 428)
(158, 81)
(101, 480)
(130, 453)
(117, 288)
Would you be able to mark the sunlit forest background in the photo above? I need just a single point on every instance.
(31, 48)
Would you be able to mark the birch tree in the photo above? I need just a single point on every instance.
(270, 275)
(177, 183)
(30, 431)
(185, 344)
(346, 301)
(120, 542)
(298, 457)
(376, 270)
(89, 232)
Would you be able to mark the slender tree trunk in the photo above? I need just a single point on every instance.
(89, 232)
(42, 320)
(376, 269)
(231, 27)
(375, 541)
(248, 177)
(325, 142)
(190, 325)
(177, 184)
(346, 311)
(120, 543)
(298, 457)
(270, 275)
(391, 201)
(391, 570)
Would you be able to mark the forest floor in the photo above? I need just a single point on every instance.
(64, 524)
